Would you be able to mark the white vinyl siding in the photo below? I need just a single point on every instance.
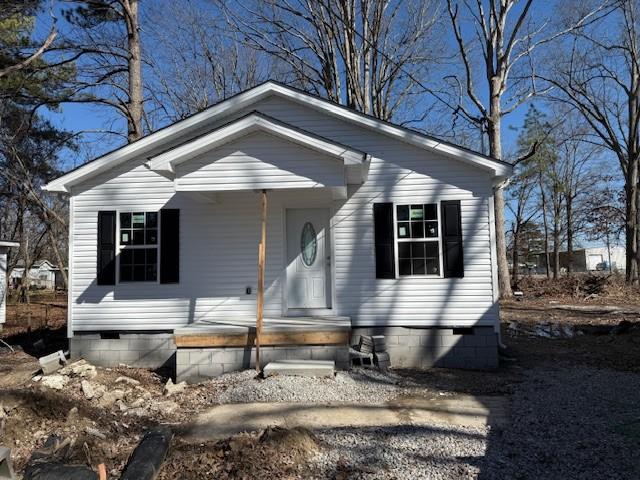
(219, 241)
(258, 161)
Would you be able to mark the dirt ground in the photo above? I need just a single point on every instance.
(126, 402)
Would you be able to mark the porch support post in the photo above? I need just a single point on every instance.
(261, 264)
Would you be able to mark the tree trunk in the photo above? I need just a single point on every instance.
(631, 225)
(569, 202)
(545, 224)
(556, 249)
(134, 105)
(515, 255)
(495, 150)
(59, 260)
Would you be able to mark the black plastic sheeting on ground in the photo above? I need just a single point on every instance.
(147, 458)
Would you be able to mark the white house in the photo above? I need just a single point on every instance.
(42, 274)
(371, 229)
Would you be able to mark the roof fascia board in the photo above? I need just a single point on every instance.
(167, 160)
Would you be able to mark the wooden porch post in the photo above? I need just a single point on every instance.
(261, 263)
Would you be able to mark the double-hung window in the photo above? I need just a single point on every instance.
(138, 239)
(418, 239)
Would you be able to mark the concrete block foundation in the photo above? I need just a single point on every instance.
(472, 348)
(408, 347)
(199, 364)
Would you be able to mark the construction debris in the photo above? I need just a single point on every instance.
(56, 382)
(171, 388)
(52, 363)
(370, 351)
(146, 460)
(81, 369)
(48, 463)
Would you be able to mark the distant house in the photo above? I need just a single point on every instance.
(588, 259)
(42, 274)
(371, 229)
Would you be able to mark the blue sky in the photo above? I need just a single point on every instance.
(75, 117)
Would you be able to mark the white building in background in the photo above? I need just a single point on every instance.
(590, 259)
(42, 274)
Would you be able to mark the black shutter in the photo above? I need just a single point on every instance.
(106, 268)
(385, 249)
(169, 245)
(452, 239)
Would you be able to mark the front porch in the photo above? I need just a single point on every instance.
(210, 348)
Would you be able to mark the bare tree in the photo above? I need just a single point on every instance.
(196, 61)
(107, 39)
(504, 35)
(366, 54)
(599, 76)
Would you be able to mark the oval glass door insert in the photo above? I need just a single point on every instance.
(308, 244)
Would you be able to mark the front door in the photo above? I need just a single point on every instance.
(308, 258)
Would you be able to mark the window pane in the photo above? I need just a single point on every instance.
(126, 257)
(152, 237)
(433, 266)
(403, 229)
(137, 220)
(416, 212)
(152, 255)
(125, 273)
(125, 237)
(430, 212)
(138, 256)
(138, 237)
(151, 273)
(125, 220)
(404, 267)
(417, 249)
(417, 230)
(418, 266)
(138, 273)
(152, 219)
(404, 250)
(431, 229)
(402, 212)
(431, 249)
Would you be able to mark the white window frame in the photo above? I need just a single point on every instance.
(397, 240)
(120, 248)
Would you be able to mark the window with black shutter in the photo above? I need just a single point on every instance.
(170, 245)
(138, 236)
(106, 262)
(453, 258)
(384, 240)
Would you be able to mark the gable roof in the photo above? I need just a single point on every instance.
(252, 122)
(173, 132)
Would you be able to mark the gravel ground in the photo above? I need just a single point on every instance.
(441, 452)
(358, 385)
(571, 422)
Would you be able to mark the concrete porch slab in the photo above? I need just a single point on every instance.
(301, 368)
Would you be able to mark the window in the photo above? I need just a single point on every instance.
(418, 239)
(138, 236)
